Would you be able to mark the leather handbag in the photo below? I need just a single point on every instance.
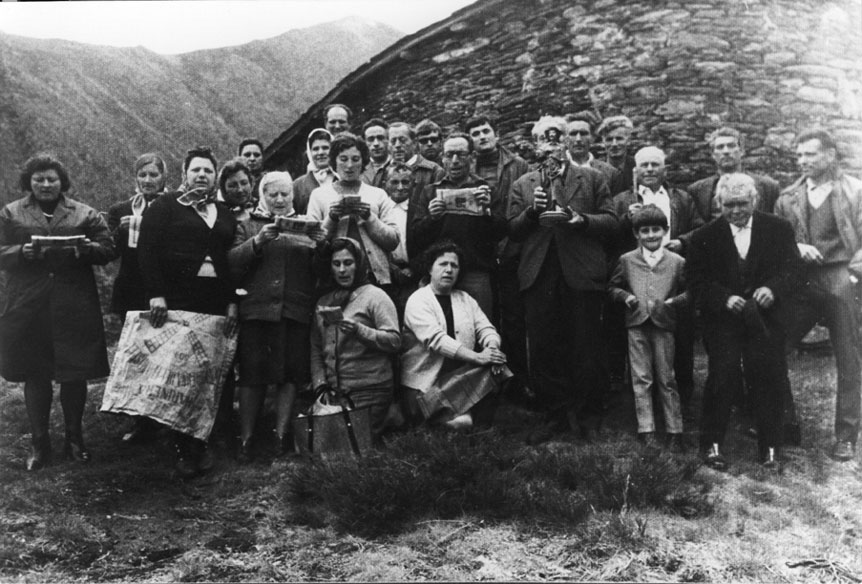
(344, 429)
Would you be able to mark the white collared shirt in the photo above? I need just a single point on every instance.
(398, 215)
(412, 162)
(585, 164)
(817, 193)
(660, 199)
(742, 238)
(652, 257)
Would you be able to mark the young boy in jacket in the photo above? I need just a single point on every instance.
(649, 280)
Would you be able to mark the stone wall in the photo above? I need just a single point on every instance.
(678, 69)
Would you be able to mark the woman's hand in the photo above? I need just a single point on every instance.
(336, 210)
(317, 235)
(266, 234)
(490, 356)
(31, 252)
(362, 210)
(124, 221)
(231, 323)
(158, 311)
(348, 326)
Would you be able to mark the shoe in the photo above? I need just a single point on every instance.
(545, 432)
(245, 454)
(143, 430)
(462, 422)
(792, 434)
(648, 439)
(40, 454)
(714, 460)
(284, 445)
(770, 459)
(675, 443)
(75, 449)
(843, 451)
(205, 458)
(185, 465)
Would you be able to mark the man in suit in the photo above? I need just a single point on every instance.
(563, 278)
(825, 209)
(728, 148)
(741, 268)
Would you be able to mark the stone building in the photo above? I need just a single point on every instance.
(678, 68)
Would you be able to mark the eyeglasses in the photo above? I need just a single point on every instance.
(429, 140)
(459, 154)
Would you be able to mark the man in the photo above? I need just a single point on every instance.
(336, 118)
(825, 209)
(741, 269)
(477, 228)
(683, 218)
(579, 130)
(727, 147)
(402, 269)
(251, 149)
(430, 138)
(376, 134)
(563, 278)
(616, 134)
(402, 147)
(500, 168)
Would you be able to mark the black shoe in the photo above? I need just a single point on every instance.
(204, 459)
(143, 430)
(769, 459)
(843, 450)
(245, 454)
(714, 460)
(40, 454)
(284, 445)
(75, 449)
(185, 465)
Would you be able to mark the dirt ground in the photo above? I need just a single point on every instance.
(128, 517)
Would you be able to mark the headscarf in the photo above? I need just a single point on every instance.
(324, 175)
(262, 211)
(341, 296)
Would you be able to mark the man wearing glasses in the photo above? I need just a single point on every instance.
(430, 138)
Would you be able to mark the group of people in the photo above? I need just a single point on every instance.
(439, 269)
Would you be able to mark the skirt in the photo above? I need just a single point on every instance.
(274, 352)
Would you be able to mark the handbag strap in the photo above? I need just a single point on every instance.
(350, 432)
(309, 432)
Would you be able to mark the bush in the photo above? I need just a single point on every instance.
(447, 475)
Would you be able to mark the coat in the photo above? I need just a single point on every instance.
(129, 292)
(62, 285)
(847, 207)
(651, 286)
(580, 249)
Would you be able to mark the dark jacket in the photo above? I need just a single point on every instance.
(129, 292)
(684, 218)
(580, 249)
(302, 188)
(703, 192)
(713, 269)
(59, 284)
(425, 173)
(173, 244)
(510, 168)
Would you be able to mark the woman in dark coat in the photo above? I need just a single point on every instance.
(182, 249)
(50, 318)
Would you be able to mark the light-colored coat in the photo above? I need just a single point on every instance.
(426, 344)
(651, 286)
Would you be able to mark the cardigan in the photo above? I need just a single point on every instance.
(651, 285)
(426, 344)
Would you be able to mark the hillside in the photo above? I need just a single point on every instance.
(99, 107)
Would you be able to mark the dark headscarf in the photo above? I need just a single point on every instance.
(341, 296)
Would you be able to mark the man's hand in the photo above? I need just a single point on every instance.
(436, 208)
(632, 301)
(158, 311)
(809, 253)
(483, 195)
(577, 218)
(674, 245)
(540, 199)
(635, 207)
(764, 297)
(735, 304)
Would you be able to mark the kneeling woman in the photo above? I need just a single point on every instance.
(355, 353)
(443, 376)
(275, 314)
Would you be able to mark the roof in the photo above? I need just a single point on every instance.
(393, 52)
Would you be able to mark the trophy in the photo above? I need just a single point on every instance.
(551, 170)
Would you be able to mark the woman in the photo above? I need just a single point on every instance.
(368, 220)
(355, 353)
(183, 246)
(235, 186)
(319, 171)
(443, 376)
(275, 270)
(50, 317)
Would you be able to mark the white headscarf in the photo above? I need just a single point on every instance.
(323, 175)
(269, 178)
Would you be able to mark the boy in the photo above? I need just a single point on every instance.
(649, 280)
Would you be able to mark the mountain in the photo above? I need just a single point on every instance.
(100, 107)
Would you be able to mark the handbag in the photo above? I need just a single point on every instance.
(333, 425)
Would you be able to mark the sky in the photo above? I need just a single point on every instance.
(172, 26)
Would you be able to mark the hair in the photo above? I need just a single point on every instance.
(827, 141)
(612, 123)
(736, 183)
(428, 126)
(374, 123)
(40, 162)
(591, 118)
(199, 152)
(230, 168)
(151, 158)
(410, 130)
(649, 150)
(247, 142)
(649, 216)
(398, 167)
(725, 131)
(464, 135)
(477, 121)
(346, 141)
(332, 106)
(439, 248)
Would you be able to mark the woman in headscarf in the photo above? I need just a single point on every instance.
(275, 270)
(50, 317)
(351, 208)
(351, 350)
(183, 246)
(320, 173)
